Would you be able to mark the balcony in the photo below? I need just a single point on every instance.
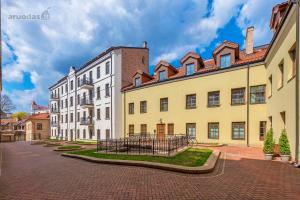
(86, 83)
(54, 110)
(55, 124)
(87, 103)
(54, 97)
(87, 121)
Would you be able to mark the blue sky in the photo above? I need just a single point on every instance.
(37, 53)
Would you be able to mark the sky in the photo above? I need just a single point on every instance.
(37, 52)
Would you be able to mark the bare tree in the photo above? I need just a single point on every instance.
(6, 105)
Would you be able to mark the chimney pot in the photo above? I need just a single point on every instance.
(249, 40)
(145, 44)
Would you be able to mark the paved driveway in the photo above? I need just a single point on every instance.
(36, 172)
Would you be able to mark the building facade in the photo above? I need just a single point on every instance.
(233, 98)
(86, 104)
(37, 127)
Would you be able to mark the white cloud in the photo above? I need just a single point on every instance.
(257, 13)
(79, 30)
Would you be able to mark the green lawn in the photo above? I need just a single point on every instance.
(83, 142)
(191, 157)
(69, 147)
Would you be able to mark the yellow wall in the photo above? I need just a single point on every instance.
(283, 99)
(176, 92)
(31, 129)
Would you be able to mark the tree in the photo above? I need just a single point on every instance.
(6, 105)
(269, 143)
(284, 144)
(19, 115)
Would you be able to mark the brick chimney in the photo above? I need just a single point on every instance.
(249, 40)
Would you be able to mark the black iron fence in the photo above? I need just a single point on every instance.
(143, 145)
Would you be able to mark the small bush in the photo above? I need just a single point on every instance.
(269, 142)
(284, 144)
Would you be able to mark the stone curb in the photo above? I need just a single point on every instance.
(81, 148)
(206, 168)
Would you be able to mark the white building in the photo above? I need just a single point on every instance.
(87, 103)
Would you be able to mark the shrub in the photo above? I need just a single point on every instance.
(284, 145)
(269, 142)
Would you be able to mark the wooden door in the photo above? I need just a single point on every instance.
(161, 131)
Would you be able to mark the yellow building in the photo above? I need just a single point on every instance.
(226, 99)
(37, 127)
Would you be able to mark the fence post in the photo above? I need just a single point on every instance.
(116, 146)
(127, 145)
(106, 145)
(153, 146)
(139, 145)
(169, 147)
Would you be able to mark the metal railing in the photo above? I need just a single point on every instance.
(54, 96)
(86, 101)
(86, 81)
(54, 110)
(143, 145)
(86, 121)
(54, 123)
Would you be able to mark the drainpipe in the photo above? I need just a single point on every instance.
(297, 81)
(75, 104)
(124, 114)
(111, 97)
(248, 100)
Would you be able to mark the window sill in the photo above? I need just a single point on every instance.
(213, 138)
(213, 106)
(191, 108)
(290, 79)
(258, 103)
(279, 88)
(163, 111)
(107, 118)
(238, 138)
(238, 104)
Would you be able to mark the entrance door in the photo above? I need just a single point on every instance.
(161, 131)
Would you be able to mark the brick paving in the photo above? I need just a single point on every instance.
(36, 172)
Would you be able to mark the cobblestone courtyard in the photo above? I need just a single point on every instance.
(36, 172)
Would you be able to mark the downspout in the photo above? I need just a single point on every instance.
(248, 100)
(111, 97)
(297, 81)
(124, 114)
(75, 104)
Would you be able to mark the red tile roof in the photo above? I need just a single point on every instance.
(39, 116)
(210, 65)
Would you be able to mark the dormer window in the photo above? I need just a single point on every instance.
(162, 75)
(137, 82)
(190, 69)
(225, 61)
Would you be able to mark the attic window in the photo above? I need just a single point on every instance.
(137, 82)
(162, 75)
(190, 69)
(225, 61)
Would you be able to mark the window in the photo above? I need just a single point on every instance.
(98, 134)
(78, 133)
(131, 108)
(257, 94)
(213, 130)
(62, 90)
(143, 129)
(66, 118)
(78, 116)
(66, 88)
(281, 74)
(71, 101)
(137, 82)
(107, 90)
(84, 133)
(71, 117)
(162, 75)
(238, 96)
(191, 101)
(78, 82)
(131, 129)
(98, 114)
(191, 130)
(98, 72)
(143, 107)
(91, 133)
(66, 103)
(282, 115)
(72, 85)
(107, 65)
(107, 133)
(225, 61)
(78, 99)
(91, 76)
(238, 130)
(262, 129)
(62, 119)
(39, 126)
(163, 104)
(98, 92)
(62, 104)
(107, 114)
(271, 85)
(293, 58)
(190, 69)
(213, 99)
(170, 129)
